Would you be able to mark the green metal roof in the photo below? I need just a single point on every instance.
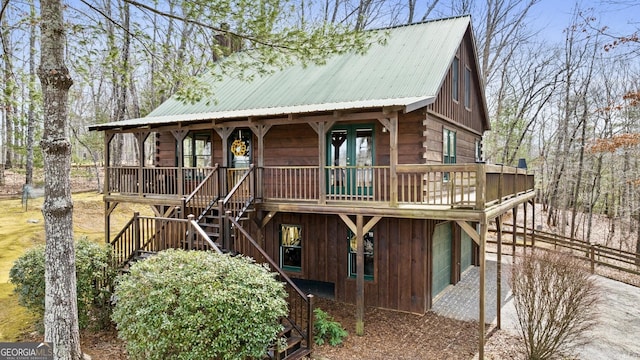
(407, 71)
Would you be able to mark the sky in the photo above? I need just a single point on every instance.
(555, 15)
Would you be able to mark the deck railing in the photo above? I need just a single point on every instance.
(300, 304)
(144, 181)
(153, 234)
(469, 186)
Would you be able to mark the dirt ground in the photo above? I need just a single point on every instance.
(388, 335)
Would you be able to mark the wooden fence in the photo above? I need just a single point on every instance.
(596, 254)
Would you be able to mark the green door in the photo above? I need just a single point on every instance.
(465, 251)
(441, 269)
(350, 157)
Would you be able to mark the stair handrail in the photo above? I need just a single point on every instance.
(239, 183)
(246, 202)
(307, 334)
(200, 234)
(212, 199)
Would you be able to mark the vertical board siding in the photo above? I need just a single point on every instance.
(401, 251)
(446, 106)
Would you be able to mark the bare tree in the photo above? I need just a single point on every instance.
(32, 98)
(556, 301)
(61, 309)
(9, 91)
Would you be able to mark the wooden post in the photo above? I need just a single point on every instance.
(499, 274)
(190, 231)
(481, 186)
(524, 228)
(481, 320)
(533, 224)
(359, 277)
(141, 137)
(179, 135)
(310, 339)
(322, 163)
(515, 237)
(136, 230)
(227, 231)
(393, 158)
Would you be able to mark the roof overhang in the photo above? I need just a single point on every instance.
(409, 104)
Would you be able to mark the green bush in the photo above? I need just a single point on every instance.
(198, 305)
(94, 277)
(327, 330)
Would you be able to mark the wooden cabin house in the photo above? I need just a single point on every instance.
(363, 175)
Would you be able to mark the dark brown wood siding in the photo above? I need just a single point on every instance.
(465, 142)
(165, 149)
(402, 258)
(295, 144)
(472, 117)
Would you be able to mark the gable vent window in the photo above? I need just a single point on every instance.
(467, 88)
(455, 79)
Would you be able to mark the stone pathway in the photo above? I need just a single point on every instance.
(615, 336)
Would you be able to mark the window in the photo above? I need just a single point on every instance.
(478, 150)
(448, 149)
(291, 247)
(196, 150)
(467, 88)
(449, 146)
(368, 255)
(455, 78)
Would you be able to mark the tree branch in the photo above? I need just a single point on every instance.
(109, 19)
(207, 26)
(5, 5)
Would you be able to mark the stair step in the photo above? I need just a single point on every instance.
(209, 225)
(292, 350)
(285, 332)
(143, 255)
(292, 342)
(298, 354)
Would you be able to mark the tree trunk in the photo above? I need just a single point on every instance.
(9, 95)
(31, 112)
(61, 310)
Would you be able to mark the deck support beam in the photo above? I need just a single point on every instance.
(359, 228)
(499, 274)
(481, 320)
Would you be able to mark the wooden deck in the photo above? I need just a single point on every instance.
(456, 192)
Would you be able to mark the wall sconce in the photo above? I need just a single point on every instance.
(384, 129)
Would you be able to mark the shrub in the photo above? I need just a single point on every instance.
(327, 330)
(198, 305)
(555, 299)
(94, 276)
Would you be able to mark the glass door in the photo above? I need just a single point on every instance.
(350, 157)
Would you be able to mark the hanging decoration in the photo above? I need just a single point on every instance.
(239, 148)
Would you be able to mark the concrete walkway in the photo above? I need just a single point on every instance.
(617, 335)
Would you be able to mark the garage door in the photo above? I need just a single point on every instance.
(441, 274)
(465, 251)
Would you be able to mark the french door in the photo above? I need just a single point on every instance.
(349, 158)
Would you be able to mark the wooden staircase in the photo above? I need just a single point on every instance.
(218, 227)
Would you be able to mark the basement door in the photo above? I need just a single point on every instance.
(466, 252)
(441, 253)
